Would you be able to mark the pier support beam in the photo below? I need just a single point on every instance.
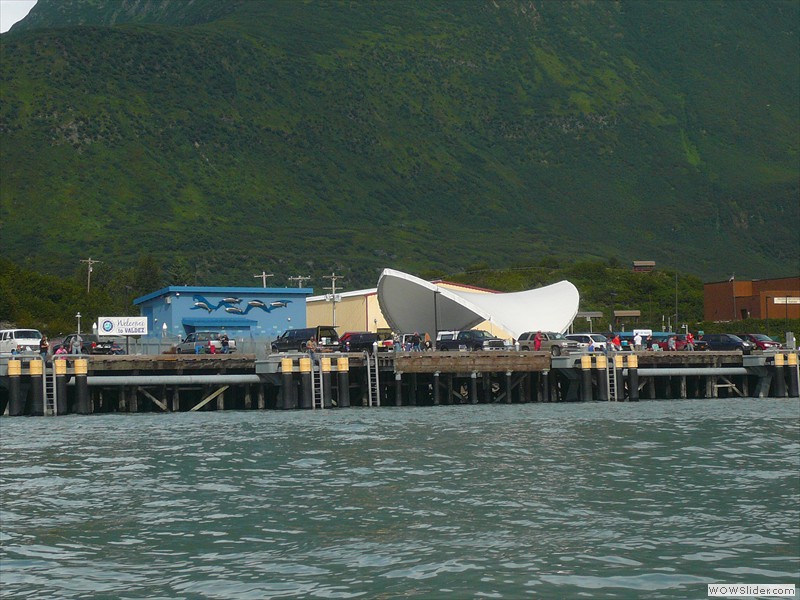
(473, 387)
(398, 389)
(83, 407)
(545, 386)
(436, 393)
(36, 368)
(343, 366)
(287, 383)
(780, 378)
(60, 368)
(633, 378)
(794, 375)
(586, 377)
(16, 403)
(601, 366)
(307, 392)
(327, 388)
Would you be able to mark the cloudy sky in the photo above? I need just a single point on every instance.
(12, 11)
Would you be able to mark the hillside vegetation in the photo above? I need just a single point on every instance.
(304, 137)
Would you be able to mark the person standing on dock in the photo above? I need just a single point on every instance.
(537, 341)
(671, 344)
(225, 342)
(77, 342)
(689, 341)
(311, 347)
(637, 341)
(44, 347)
(415, 341)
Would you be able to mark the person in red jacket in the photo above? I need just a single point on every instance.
(537, 341)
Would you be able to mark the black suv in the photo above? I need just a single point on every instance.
(471, 339)
(727, 341)
(358, 341)
(296, 339)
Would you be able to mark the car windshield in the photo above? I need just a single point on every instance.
(597, 338)
(557, 336)
(760, 337)
(480, 333)
(27, 334)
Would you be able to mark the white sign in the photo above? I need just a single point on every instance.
(121, 325)
(787, 300)
(643, 332)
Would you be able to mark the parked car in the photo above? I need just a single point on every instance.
(204, 340)
(760, 341)
(296, 339)
(662, 341)
(727, 341)
(468, 339)
(19, 340)
(596, 340)
(362, 341)
(553, 342)
(91, 343)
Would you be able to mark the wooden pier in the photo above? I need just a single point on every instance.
(174, 382)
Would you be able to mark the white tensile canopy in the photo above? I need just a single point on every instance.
(412, 304)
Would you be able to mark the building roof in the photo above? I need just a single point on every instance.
(253, 291)
(413, 304)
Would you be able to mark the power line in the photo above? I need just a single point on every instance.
(300, 279)
(263, 277)
(90, 262)
(333, 277)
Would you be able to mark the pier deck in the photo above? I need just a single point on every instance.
(174, 382)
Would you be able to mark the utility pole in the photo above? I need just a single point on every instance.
(300, 279)
(90, 262)
(263, 277)
(333, 277)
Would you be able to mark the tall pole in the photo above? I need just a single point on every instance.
(766, 306)
(300, 279)
(263, 278)
(435, 317)
(90, 262)
(677, 326)
(333, 277)
(733, 294)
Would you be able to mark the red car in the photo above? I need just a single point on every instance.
(760, 341)
(680, 343)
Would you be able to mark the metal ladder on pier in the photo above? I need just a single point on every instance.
(318, 400)
(373, 376)
(49, 390)
(611, 379)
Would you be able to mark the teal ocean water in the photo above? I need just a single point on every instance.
(592, 500)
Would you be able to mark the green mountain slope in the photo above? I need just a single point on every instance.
(422, 136)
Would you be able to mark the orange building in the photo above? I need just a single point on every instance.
(734, 300)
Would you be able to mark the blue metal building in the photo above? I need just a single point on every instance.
(243, 312)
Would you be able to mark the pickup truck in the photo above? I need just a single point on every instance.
(470, 339)
(201, 342)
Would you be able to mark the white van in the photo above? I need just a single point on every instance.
(21, 340)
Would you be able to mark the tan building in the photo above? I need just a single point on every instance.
(734, 300)
(359, 310)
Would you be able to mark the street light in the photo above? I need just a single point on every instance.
(78, 316)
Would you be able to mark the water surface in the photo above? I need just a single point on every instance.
(595, 500)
